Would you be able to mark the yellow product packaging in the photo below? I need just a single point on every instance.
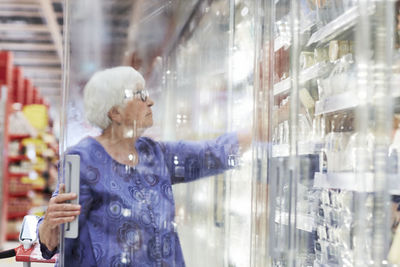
(38, 144)
(39, 164)
(37, 116)
(39, 183)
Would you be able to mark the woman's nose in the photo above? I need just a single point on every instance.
(149, 102)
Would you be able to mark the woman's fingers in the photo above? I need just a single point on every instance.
(63, 207)
(57, 214)
(61, 214)
(64, 197)
(59, 210)
(57, 221)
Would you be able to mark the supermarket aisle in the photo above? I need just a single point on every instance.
(11, 261)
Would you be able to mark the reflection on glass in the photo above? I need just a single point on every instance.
(127, 207)
(201, 88)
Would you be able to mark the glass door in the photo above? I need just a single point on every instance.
(333, 175)
(157, 119)
(208, 92)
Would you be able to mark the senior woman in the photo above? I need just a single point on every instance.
(126, 212)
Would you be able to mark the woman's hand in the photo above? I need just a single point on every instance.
(58, 212)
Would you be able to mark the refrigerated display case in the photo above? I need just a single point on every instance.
(332, 168)
(198, 68)
(209, 89)
(314, 83)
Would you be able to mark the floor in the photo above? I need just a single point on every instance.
(10, 262)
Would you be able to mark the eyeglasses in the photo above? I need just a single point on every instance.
(143, 94)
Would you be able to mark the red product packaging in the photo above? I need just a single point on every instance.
(35, 98)
(6, 63)
(29, 94)
(18, 84)
(21, 94)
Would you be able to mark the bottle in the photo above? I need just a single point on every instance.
(331, 147)
(323, 160)
(394, 148)
(342, 140)
(359, 152)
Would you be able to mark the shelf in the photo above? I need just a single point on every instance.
(17, 215)
(18, 174)
(306, 75)
(314, 71)
(17, 158)
(32, 188)
(336, 103)
(363, 182)
(12, 236)
(18, 136)
(19, 194)
(347, 100)
(282, 87)
(304, 222)
(338, 26)
(307, 148)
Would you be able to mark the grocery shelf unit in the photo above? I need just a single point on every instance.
(6, 83)
(333, 164)
(17, 189)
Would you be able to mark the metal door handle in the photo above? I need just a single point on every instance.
(72, 170)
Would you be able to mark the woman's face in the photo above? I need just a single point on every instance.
(136, 111)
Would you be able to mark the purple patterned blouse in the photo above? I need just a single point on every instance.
(127, 214)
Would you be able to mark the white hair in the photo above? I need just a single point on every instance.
(105, 90)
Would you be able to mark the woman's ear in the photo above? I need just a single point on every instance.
(115, 115)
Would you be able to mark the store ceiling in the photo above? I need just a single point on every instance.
(32, 30)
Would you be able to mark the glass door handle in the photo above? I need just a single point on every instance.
(72, 170)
